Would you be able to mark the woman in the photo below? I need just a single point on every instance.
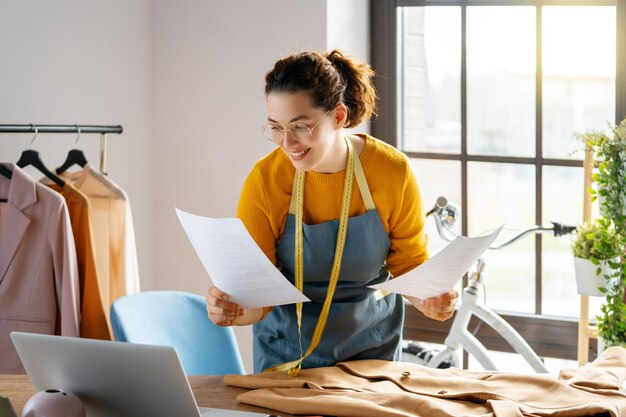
(343, 240)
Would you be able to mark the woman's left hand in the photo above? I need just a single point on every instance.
(438, 308)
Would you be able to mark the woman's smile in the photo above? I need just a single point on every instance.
(298, 156)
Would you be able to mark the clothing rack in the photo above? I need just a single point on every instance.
(103, 130)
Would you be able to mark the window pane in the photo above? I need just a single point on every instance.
(578, 74)
(438, 178)
(562, 202)
(505, 193)
(430, 78)
(501, 80)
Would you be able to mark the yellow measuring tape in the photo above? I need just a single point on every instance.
(294, 367)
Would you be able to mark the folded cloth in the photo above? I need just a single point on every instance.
(381, 388)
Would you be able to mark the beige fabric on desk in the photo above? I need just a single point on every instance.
(114, 236)
(379, 388)
(38, 273)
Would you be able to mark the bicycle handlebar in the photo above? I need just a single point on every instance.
(557, 228)
(446, 215)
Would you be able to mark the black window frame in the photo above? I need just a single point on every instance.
(561, 340)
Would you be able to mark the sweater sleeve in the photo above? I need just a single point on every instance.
(409, 242)
(254, 211)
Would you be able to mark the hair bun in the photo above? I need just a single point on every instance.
(330, 79)
(359, 94)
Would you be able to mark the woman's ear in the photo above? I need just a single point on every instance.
(341, 116)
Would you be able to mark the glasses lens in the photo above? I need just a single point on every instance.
(272, 133)
(300, 132)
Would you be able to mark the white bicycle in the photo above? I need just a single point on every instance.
(445, 215)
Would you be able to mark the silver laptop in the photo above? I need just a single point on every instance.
(113, 379)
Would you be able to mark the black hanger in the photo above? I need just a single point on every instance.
(4, 171)
(31, 157)
(74, 157)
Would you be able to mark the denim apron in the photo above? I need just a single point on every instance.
(360, 325)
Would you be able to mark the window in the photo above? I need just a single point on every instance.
(484, 96)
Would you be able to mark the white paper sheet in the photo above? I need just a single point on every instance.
(236, 264)
(440, 274)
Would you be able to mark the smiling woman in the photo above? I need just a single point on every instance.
(331, 242)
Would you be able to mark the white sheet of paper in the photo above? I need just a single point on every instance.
(236, 264)
(440, 274)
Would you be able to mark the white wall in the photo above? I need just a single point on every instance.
(210, 63)
(348, 29)
(184, 78)
(83, 62)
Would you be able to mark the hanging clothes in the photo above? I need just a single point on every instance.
(93, 324)
(394, 389)
(114, 236)
(39, 290)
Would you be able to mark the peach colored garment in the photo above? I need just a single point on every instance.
(93, 324)
(114, 236)
(375, 388)
(39, 290)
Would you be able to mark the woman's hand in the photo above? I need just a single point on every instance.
(438, 308)
(223, 312)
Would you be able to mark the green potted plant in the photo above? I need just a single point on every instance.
(596, 255)
(610, 151)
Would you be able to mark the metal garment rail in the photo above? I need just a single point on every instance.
(103, 130)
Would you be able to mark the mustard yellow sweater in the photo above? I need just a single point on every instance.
(264, 202)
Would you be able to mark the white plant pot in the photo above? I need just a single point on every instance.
(601, 345)
(587, 280)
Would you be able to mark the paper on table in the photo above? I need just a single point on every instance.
(440, 274)
(236, 264)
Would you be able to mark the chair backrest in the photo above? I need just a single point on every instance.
(179, 320)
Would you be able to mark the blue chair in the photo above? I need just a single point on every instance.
(179, 320)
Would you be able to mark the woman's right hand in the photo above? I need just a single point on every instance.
(221, 311)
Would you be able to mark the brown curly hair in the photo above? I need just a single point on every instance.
(330, 79)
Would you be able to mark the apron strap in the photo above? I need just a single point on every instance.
(361, 181)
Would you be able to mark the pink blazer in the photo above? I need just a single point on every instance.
(39, 290)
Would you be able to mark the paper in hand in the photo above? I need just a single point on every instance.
(440, 274)
(236, 264)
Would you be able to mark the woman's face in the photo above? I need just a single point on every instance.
(317, 151)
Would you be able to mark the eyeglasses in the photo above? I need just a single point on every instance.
(299, 131)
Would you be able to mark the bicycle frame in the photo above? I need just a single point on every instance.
(459, 337)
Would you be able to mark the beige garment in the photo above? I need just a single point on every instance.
(39, 290)
(379, 388)
(114, 236)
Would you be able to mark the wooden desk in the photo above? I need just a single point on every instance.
(209, 391)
